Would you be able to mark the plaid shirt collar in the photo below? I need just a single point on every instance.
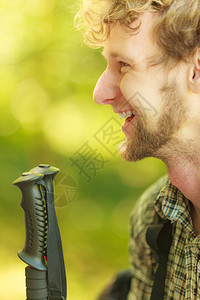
(171, 204)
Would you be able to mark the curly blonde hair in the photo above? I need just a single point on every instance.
(177, 29)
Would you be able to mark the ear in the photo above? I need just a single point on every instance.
(194, 73)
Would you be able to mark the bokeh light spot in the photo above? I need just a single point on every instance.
(65, 126)
(140, 174)
(29, 102)
(87, 215)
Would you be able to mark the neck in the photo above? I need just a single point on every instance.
(186, 177)
(183, 167)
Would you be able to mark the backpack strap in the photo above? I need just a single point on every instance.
(159, 238)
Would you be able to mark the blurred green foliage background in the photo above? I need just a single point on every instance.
(48, 116)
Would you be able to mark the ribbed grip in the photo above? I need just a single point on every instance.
(35, 217)
(36, 284)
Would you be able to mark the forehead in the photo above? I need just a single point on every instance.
(138, 44)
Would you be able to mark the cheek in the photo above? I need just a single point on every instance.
(142, 92)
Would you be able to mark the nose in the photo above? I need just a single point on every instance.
(107, 88)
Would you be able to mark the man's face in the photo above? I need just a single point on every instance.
(148, 97)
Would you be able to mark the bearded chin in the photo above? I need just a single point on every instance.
(130, 150)
(126, 151)
(135, 150)
(141, 145)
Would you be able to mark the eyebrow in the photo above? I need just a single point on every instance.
(116, 55)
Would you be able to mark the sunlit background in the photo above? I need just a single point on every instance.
(48, 116)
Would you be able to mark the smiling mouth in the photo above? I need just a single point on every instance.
(129, 115)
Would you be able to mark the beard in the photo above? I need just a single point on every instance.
(154, 142)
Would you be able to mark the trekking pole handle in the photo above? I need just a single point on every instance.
(35, 218)
(57, 285)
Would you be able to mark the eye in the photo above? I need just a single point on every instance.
(124, 67)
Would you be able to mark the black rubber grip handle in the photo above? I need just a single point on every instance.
(55, 259)
(35, 217)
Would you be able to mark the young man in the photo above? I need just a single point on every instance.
(153, 51)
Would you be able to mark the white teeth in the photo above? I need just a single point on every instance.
(134, 112)
(127, 114)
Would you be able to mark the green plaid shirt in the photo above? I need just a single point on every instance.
(183, 268)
